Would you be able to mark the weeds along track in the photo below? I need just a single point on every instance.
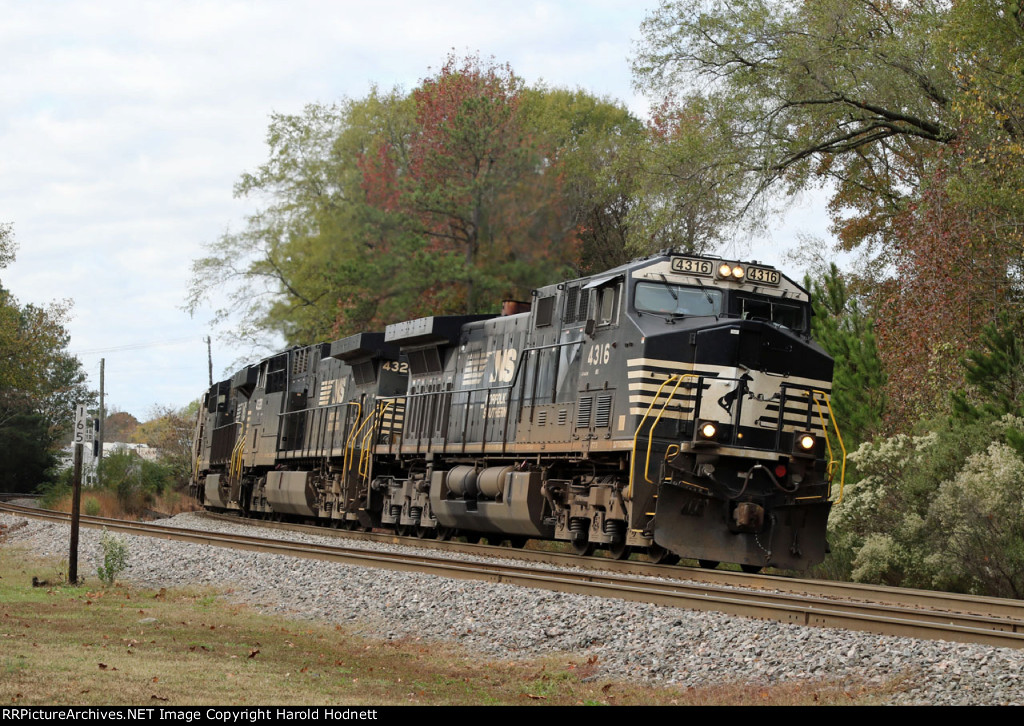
(891, 611)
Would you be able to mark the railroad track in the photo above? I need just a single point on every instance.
(879, 594)
(890, 611)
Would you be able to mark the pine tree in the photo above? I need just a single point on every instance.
(995, 374)
(846, 332)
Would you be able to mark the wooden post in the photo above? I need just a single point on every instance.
(75, 511)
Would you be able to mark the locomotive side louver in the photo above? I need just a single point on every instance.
(604, 411)
(583, 412)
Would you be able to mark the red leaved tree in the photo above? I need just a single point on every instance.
(952, 276)
(477, 187)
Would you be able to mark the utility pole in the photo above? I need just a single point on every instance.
(209, 359)
(103, 424)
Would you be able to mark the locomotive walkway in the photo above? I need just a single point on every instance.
(911, 613)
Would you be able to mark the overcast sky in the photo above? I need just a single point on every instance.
(125, 125)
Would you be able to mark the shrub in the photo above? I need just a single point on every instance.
(944, 510)
(981, 516)
(115, 558)
(136, 481)
(91, 507)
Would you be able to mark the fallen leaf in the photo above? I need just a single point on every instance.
(254, 652)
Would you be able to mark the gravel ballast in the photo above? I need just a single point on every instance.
(630, 641)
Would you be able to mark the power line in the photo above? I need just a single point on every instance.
(135, 346)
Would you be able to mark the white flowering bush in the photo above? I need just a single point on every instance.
(979, 517)
(943, 510)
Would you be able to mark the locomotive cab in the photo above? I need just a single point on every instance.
(730, 413)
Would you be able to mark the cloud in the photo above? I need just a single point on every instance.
(126, 125)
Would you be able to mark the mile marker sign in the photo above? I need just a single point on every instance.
(84, 426)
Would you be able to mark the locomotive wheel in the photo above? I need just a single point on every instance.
(582, 547)
(752, 569)
(472, 537)
(620, 550)
(708, 564)
(445, 533)
(518, 542)
(425, 532)
(661, 556)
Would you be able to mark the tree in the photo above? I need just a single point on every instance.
(481, 189)
(846, 332)
(941, 510)
(855, 92)
(400, 205)
(170, 432)
(593, 142)
(119, 426)
(951, 278)
(691, 185)
(279, 274)
(28, 452)
(994, 374)
(911, 112)
(40, 382)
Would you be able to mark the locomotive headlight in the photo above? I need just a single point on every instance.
(737, 272)
(707, 430)
(804, 442)
(724, 270)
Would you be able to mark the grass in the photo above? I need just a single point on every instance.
(104, 503)
(89, 646)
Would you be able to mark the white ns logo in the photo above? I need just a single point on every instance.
(504, 366)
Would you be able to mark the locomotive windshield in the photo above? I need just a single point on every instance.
(785, 314)
(668, 299)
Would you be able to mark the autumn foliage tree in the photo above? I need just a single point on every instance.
(478, 187)
(910, 113)
(952, 278)
(469, 189)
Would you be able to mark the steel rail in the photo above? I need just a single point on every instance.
(830, 589)
(783, 607)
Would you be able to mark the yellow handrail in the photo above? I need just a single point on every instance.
(365, 454)
(636, 434)
(350, 437)
(235, 464)
(839, 436)
(650, 437)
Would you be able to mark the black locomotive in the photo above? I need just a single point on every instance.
(675, 405)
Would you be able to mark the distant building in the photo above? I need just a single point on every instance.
(89, 462)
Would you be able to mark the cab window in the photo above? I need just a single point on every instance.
(668, 299)
(787, 314)
(608, 305)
